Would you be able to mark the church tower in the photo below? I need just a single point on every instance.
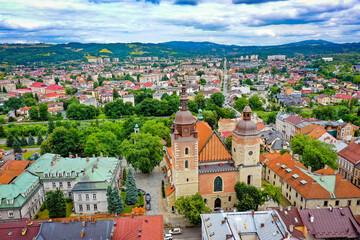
(184, 149)
(246, 150)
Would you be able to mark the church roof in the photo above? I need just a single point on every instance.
(214, 149)
(204, 132)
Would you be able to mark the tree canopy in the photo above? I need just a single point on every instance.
(55, 203)
(192, 207)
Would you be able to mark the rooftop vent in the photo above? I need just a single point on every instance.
(303, 182)
(295, 176)
(289, 170)
(212, 234)
(283, 166)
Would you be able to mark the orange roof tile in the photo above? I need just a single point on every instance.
(328, 171)
(170, 189)
(205, 132)
(168, 162)
(269, 156)
(214, 150)
(11, 169)
(260, 126)
(317, 132)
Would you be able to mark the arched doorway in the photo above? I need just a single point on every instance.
(217, 203)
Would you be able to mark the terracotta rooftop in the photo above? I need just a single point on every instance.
(317, 132)
(351, 153)
(11, 169)
(204, 132)
(129, 227)
(291, 216)
(269, 156)
(294, 119)
(214, 149)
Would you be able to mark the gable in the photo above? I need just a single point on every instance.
(214, 150)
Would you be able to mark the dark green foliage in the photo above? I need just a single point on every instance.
(43, 112)
(248, 196)
(163, 188)
(39, 139)
(2, 132)
(55, 203)
(81, 111)
(34, 113)
(14, 103)
(282, 152)
(192, 207)
(131, 190)
(240, 104)
(61, 141)
(228, 142)
(10, 141)
(23, 141)
(117, 109)
(31, 141)
(115, 94)
(16, 146)
(51, 125)
(115, 201)
(124, 176)
(218, 98)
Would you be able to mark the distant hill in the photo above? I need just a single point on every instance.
(24, 53)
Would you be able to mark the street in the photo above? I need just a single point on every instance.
(188, 233)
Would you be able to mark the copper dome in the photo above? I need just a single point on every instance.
(184, 117)
(246, 127)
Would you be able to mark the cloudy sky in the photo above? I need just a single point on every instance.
(240, 22)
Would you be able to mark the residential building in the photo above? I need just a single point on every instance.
(276, 57)
(289, 126)
(259, 225)
(272, 141)
(55, 89)
(323, 99)
(86, 181)
(38, 87)
(349, 160)
(129, 98)
(21, 198)
(306, 189)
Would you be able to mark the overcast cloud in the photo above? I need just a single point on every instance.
(240, 22)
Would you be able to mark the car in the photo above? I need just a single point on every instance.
(148, 207)
(141, 191)
(167, 237)
(148, 197)
(175, 231)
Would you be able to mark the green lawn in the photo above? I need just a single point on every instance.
(28, 154)
(102, 116)
(3, 146)
(45, 214)
(264, 115)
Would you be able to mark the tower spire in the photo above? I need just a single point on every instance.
(183, 98)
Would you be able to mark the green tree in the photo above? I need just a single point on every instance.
(2, 131)
(36, 97)
(14, 103)
(95, 85)
(248, 195)
(313, 152)
(271, 118)
(218, 98)
(43, 112)
(115, 94)
(61, 141)
(39, 139)
(202, 82)
(192, 207)
(55, 203)
(31, 141)
(200, 100)
(10, 141)
(271, 192)
(115, 201)
(155, 128)
(240, 104)
(131, 190)
(102, 142)
(163, 188)
(255, 102)
(124, 175)
(23, 141)
(283, 151)
(228, 142)
(210, 117)
(30, 102)
(51, 125)
(143, 151)
(16, 146)
(34, 113)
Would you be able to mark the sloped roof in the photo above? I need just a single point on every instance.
(293, 119)
(317, 132)
(38, 84)
(11, 169)
(351, 153)
(214, 149)
(269, 156)
(55, 87)
(292, 217)
(128, 227)
(204, 132)
(335, 223)
(16, 228)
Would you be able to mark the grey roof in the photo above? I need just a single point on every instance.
(100, 230)
(226, 167)
(261, 224)
(278, 145)
(90, 186)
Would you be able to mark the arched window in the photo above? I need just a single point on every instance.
(186, 151)
(186, 164)
(218, 184)
(205, 200)
(249, 180)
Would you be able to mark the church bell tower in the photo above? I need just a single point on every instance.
(184, 149)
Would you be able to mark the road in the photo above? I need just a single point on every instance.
(188, 234)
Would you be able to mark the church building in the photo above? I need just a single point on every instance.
(198, 160)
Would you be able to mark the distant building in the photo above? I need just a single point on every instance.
(276, 57)
(327, 59)
(129, 98)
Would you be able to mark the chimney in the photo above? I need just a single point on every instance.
(289, 207)
(82, 233)
(92, 169)
(322, 178)
(87, 159)
(140, 229)
(312, 218)
(69, 154)
(139, 235)
(286, 235)
(325, 167)
(101, 154)
(76, 155)
(330, 208)
(93, 155)
(252, 213)
(281, 208)
(275, 218)
(132, 214)
(291, 228)
(52, 163)
(262, 225)
(146, 220)
(228, 236)
(309, 168)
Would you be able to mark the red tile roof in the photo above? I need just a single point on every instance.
(11, 169)
(294, 119)
(16, 229)
(55, 87)
(205, 132)
(260, 126)
(351, 153)
(38, 85)
(128, 228)
(214, 150)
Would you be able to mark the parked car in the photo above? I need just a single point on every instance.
(148, 197)
(175, 231)
(167, 237)
(141, 191)
(148, 207)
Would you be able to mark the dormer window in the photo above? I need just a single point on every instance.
(10, 201)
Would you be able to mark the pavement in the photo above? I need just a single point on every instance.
(188, 233)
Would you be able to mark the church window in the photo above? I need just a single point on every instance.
(234, 149)
(187, 179)
(218, 184)
(205, 200)
(229, 198)
(249, 180)
(186, 151)
(251, 153)
(186, 164)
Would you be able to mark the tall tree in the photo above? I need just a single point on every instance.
(34, 113)
(14, 103)
(39, 139)
(200, 100)
(23, 141)
(56, 204)
(115, 201)
(43, 112)
(192, 207)
(10, 141)
(31, 141)
(218, 98)
(102, 142)
(115, 94)
(248, 196)
(131, 190)
(2, 131)
(51, 125)
(143, 151)
(16, 146)
(61, 141)
(240, 104)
